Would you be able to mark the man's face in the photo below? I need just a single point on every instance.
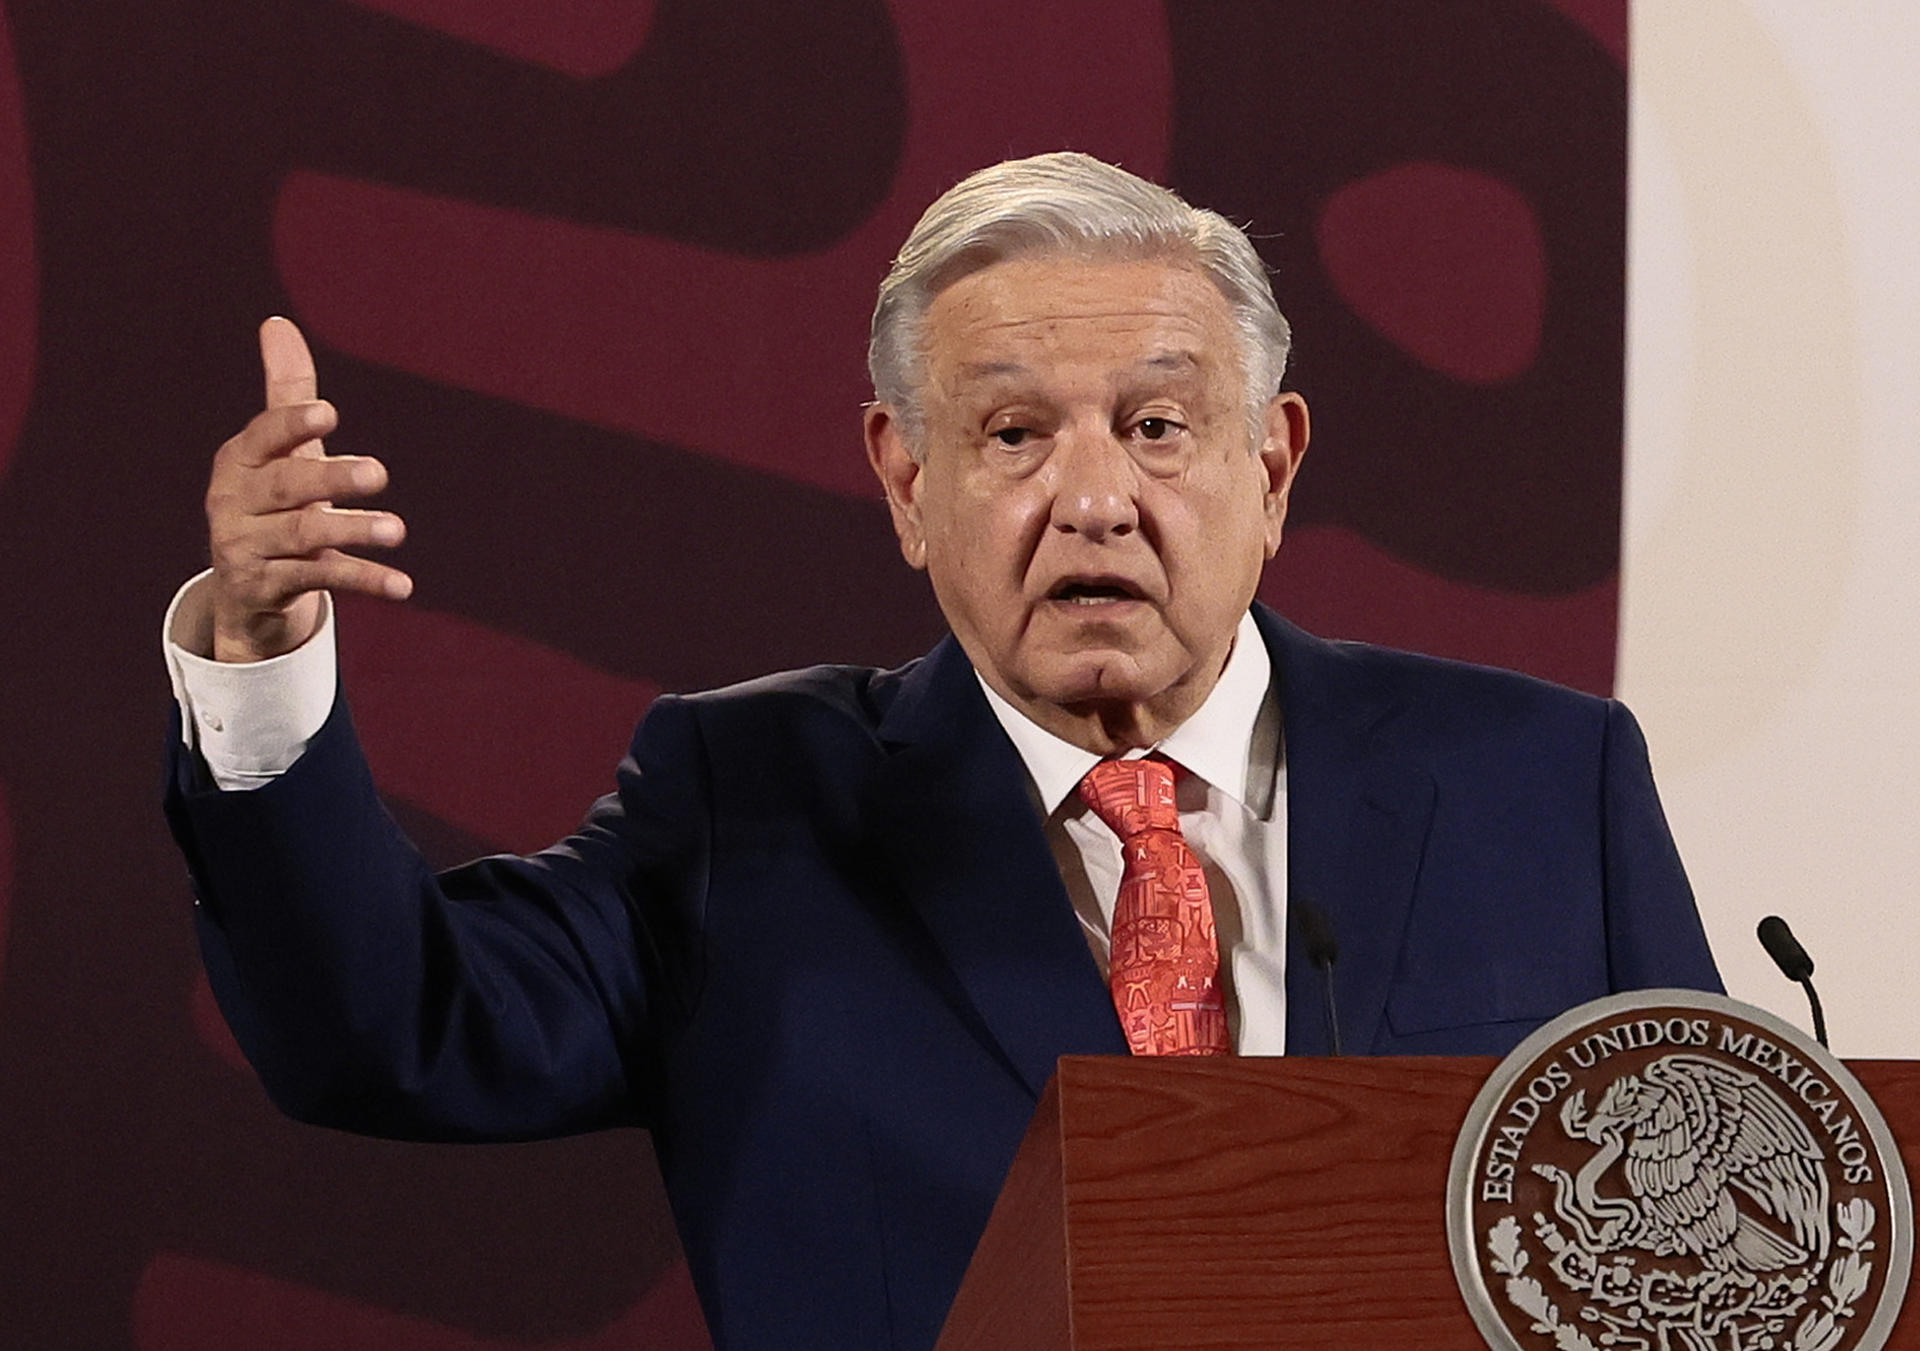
(1088, 504)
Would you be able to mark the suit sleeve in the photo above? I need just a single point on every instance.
(510, 998)
(1654, 935)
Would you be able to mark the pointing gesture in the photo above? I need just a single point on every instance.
(278, 540)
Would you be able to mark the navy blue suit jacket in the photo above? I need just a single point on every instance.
(816, 942)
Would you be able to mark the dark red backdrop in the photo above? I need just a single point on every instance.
(592, 276)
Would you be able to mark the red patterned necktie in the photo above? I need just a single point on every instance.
(1165, 965)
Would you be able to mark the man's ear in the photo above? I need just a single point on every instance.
(899, 476)
(1283, 444)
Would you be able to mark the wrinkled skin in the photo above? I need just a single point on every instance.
(1086, 501)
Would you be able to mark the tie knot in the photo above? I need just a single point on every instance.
(1132, 796)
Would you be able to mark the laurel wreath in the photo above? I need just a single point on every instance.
(1526, 1293)
(1821, 1330)
(1847, 1279)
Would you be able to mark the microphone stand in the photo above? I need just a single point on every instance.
(1795, 965)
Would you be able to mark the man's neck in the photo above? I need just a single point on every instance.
(1108, 727)
(1227, 740)
(1116, 728)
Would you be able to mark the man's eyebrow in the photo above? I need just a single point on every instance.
(1172, 360)
(990, 370)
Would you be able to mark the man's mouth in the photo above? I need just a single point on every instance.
(1094, 591)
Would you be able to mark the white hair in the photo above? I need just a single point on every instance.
(1073, 204)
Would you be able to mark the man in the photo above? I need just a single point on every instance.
(834, 927)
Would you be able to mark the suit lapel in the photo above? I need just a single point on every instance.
(1358, 809)
(952, 816)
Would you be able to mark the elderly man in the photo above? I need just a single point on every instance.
(833, 928)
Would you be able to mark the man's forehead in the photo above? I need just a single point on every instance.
(1048, 287)
(1041, 325)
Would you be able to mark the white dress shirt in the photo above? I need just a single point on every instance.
(251, 721)
(1232, 799)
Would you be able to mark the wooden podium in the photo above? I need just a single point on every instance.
(1277, 1203)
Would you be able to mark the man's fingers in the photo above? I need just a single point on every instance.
(293, 429)
(272, 584)
(287, 363)
(286, 485)
(277, 537)
(334, 571)
(310, 531)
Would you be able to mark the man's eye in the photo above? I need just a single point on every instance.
(1155, 428)
(1012, 436)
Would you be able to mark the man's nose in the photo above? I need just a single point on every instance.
(1094, 486)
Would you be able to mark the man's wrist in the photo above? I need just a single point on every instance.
(250, 721)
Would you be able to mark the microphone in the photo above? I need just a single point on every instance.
(1794, 964)
(1323, 950)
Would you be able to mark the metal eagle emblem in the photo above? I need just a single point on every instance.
(1674, 1171)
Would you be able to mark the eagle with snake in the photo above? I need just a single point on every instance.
(1716, 1167)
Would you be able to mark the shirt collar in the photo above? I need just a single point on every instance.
(1218, 743)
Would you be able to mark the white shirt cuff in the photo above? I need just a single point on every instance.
(249, 720)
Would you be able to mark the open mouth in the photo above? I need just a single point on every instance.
(1094, 591)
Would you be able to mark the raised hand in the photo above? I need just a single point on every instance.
(277, 538)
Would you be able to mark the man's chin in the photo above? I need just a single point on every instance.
(1097, 678)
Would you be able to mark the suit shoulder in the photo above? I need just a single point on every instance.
(791, 746)
(826, 693)
(1443, 692)
(1415, 671)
